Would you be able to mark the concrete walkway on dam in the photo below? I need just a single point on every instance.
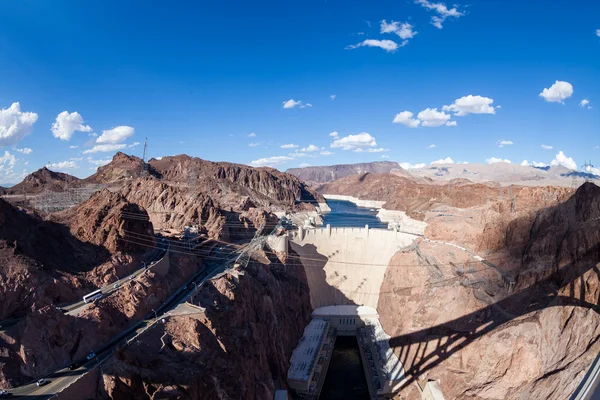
(346, 266)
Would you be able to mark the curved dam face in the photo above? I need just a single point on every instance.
(346, 266)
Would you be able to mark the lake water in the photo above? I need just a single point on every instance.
(348, 214)
(345, 377)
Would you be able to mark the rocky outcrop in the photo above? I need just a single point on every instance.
(44, 180)
(121, 168)
(237, 347)
(109, 220)
(407, 194)
(460, 323)
(47, 339)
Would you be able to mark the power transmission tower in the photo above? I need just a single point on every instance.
(144, 171)
(587, 168)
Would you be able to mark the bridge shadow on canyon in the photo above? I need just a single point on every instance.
(415, 350)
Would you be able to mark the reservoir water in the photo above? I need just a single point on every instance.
(345, 377)
(347, 214)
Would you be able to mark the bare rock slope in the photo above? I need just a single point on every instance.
(461, 323)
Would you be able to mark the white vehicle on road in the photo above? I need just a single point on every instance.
(96, 294)
(42, 382)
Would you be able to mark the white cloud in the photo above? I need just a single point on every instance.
(298, 154)
(73, 147)
(115, 135)
(558, 92)
(546, 147)
(14, 124)
(332, 97)
(387, 45)
(253, 144)
(446, 160)
(291, 103)
(25, 150)
(431, 117)
(562, 159)
(598, 32)
(406, 165)
(252, 134)
(471, 105)
(494, 160)
(93, 134)
(76, 158)
(334, 134)
(326, 153)
(352, 142)
(385, 156)
(451, 123)
(133, 145)
(534, 164)
(66, 124)
(62, 165)
(104, 148)
(379, 150)
(502, 143)
(289, 146)
(270, 161)
(585, 103)
(442, 11)
(403, 29)
(406, 118)
(311, 148)
(592, 170)
(8, 158)
(304, 165)
(431, 146)
(98, 163)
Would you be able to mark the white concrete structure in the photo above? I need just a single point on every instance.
(311, 357)
(346, 265)
(278, 244)
(346, 319)
(380, 362)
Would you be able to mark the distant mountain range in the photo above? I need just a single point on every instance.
(332, 172)
(502, 173)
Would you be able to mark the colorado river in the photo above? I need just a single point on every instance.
(348, 214)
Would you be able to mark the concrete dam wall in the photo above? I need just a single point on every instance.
(346, 266)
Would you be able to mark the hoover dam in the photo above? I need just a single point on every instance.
(345, 268)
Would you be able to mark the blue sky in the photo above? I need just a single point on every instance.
(199, 77)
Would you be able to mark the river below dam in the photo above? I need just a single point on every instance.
(347, 214)
(345, 377)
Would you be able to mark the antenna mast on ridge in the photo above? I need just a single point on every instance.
(587, 168)
(144, 171)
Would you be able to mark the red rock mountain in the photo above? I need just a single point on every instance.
(44, 180)
(107, 219)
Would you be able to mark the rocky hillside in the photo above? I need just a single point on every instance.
(236, 347)
(107, 219)
(121, 168)
(330, 173)
(234, 181)
(407, 194)
(462, 325)
(51, 261)
(44, 180)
